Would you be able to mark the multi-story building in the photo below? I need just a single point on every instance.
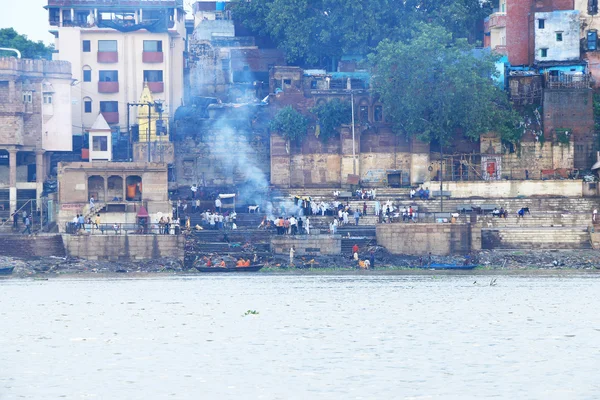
(35, 120)
(115, 46)
(511, 29)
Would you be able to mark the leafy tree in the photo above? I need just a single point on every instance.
(314, 32)
(290, 123)
(330, 116)
(28, 48)
(434, 87)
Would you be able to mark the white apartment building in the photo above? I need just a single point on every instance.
(114, 46)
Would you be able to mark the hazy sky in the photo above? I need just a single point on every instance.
(27, 17)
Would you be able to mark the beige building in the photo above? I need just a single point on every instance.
(35, 119)
(118, 188)
(590, 24)
(114, 47)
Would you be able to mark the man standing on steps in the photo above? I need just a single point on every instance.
(24, 215)
(27, 226)
(355, 250)
(15, 220)
(218, 204)
(92, 204)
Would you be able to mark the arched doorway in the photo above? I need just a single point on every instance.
(115, 188)
(96, 188)
(134, 188)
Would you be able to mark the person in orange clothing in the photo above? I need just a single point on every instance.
(222, 264)
(240, 263)
(247, 263)
(209, 263)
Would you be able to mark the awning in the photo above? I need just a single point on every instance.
(142, 213)
(226, 196)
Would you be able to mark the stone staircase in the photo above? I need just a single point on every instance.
(535, 238)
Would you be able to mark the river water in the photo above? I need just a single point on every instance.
(314, 337)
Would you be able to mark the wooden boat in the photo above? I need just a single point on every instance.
(6, 271)
(449, 266)
(252, 268)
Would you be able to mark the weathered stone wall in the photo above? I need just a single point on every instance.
(124, 247)
(422, 239)
(307, 244)
(572, 109)
(31, 246)
(504, 189)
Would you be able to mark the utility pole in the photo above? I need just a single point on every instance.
(129, 157)
(353, 141)
(441, 176)
(149, 127)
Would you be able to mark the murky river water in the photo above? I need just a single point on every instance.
(314, 337)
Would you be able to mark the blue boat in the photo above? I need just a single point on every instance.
(6, 271)
(449, 266)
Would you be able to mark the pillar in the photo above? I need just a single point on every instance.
(105, 188)
(12, 162)
(124, 198)
(40, 174)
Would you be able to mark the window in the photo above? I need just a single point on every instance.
(225, 64)
(87, 75)
(109, 76)
(153, 46)
(99, 143)
(541, 23)
(559, 36)
(543, 53)
(47, 98)
(109, 106)
(364, 113)
(27, 96)
(153, 76)
(592, 7)
(592, 40)
(378, 114)
(107, 45)
(87, 47)
(87, 106)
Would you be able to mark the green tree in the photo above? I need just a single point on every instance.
(290, 123)
(434, 87)
(315, 32)
(28, 48)
(330, 116)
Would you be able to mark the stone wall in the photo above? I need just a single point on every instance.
(507, 189)
(422, 239)
(124, 247)
(307, 244)
(31, 246)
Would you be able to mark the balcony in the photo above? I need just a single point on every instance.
(156, 87)
(108, 87)
(152, 56)
(111, 117)
(497, 20)
(108, 57)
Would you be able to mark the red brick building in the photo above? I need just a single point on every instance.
(520, 26)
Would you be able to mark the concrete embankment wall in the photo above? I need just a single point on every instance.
(421, 239)
(307, 244)
(31, 246)
(124, 247)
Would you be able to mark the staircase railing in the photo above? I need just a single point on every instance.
(12, 216)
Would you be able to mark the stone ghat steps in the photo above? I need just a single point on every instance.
(535, 238)
(239, 235)
(560, 220)
(347, 245)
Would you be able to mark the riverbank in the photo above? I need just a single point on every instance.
(488, 261)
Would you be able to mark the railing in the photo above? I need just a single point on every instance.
(567, 81)
(120, 229)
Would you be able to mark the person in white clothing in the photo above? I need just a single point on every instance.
(307, 226)
(218, 205)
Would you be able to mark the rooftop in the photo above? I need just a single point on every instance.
(116, 3)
